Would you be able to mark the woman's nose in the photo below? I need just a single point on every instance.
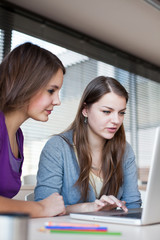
(56, 100)
(115, 118)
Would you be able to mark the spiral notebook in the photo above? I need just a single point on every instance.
(150, 214)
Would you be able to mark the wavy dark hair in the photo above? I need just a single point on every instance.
(23, 72)
(113, 150)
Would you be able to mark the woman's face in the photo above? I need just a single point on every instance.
(105, 116)
(41, 105)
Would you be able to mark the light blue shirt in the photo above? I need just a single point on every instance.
(58, 172)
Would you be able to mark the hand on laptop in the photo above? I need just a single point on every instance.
(109, 202)
(104, 203)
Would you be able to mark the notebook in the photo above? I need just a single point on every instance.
(150, 214)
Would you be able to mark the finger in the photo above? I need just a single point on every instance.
(63, 213)
(124, 206)
(109, 207)
(119, 203)
(107, 199)
(99, 203)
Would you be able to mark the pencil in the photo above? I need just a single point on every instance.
(77, 228)
(71, 224)
(86, 232)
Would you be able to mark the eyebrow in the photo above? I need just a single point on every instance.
(113, 109)
(54, 86)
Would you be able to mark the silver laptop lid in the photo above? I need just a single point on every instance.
(151, 209)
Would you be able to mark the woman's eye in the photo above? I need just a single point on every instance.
(106, 112)
(122, 113)
(51, 91)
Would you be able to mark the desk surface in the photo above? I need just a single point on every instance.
(151, 232)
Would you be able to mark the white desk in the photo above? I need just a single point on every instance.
(151, 232)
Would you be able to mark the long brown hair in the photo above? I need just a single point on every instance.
(113, 150)
(23, 72)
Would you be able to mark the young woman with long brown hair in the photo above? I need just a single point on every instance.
(91, 164)
(30, 81)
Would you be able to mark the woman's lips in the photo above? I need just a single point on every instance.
(49, 111)
(112, 130)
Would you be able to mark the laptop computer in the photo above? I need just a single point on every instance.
(150, 214)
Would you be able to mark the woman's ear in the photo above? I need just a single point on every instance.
(85, 112)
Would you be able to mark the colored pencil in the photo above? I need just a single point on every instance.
(71, 224)
(77, 228)
(85, 232)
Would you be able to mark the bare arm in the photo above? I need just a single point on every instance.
(51, 206)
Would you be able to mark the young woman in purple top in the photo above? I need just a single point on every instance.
(30, 80)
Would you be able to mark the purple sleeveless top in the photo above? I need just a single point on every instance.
(10, 167)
